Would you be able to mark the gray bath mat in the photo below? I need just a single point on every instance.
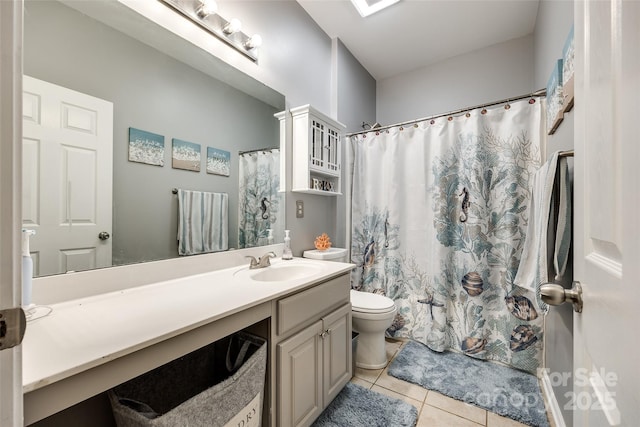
(357, 406)
(493, 387)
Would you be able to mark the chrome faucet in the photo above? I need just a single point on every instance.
(263, 262)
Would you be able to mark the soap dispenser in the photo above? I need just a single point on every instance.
(27, 268)
(269, 236)
(286, 252)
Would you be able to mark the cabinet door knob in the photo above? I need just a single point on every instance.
(323, 334)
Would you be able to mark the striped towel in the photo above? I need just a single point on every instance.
(552, 179)
(203, 222)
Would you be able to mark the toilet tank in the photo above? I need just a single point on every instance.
(331, 254)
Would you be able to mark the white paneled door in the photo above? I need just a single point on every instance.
(67, 157)
(607, 199)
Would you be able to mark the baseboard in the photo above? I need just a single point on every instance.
(550, 400)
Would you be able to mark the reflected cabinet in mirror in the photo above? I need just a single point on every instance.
(112, 126)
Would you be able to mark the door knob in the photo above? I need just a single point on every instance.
(103, 235)
(554, 294)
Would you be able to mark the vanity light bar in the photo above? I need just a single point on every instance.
(204, 14)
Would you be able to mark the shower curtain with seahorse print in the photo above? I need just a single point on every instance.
(260, 205)
(439, 216)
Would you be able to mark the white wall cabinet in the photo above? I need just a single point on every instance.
(313, 363)
(316, 152)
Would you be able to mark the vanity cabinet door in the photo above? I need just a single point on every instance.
(336, 352)
(300, 374)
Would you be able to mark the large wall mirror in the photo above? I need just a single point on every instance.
(87, 82)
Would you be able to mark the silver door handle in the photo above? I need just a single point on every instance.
(554, 294)
(103, 235)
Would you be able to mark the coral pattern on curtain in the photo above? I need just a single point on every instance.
(439, 217)
(260, 205)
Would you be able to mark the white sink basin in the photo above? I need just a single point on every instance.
(280, 272)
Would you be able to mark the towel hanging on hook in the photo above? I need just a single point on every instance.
(551, 199)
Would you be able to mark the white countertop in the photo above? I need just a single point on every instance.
(83, 333)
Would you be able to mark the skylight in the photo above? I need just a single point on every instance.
(369, 7)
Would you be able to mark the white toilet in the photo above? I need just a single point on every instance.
(371, 315)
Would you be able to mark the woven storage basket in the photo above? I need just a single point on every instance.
(218, 385)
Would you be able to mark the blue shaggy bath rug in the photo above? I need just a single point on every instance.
(493, 387)
(357, 406)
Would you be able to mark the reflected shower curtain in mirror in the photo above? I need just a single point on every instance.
(260, 206)
(439, 216)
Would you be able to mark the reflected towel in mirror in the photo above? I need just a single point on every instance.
(203, 222)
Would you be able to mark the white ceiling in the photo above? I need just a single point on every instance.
(415, 33)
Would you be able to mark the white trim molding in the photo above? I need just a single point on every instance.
(550, 400)
(11, 403)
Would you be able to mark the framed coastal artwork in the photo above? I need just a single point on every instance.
(568, 55)
(185, 155)
(555, 99)
(146, 147)
(218, 161)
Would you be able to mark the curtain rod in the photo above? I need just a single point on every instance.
(240, 153)
(538, 93)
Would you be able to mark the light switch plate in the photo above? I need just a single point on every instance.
(299, 209)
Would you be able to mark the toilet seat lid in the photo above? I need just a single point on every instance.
(367, 302)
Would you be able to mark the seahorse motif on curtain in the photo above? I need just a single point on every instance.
(483, 252)
(259, 203)
(439, 221)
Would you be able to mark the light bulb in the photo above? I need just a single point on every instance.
(207, 7)
(232, 27)
(254, 42)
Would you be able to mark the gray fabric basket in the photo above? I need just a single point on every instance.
(208, 387)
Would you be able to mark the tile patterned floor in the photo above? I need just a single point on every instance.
(434, 409)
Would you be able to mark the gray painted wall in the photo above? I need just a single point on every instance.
(356, 103)
(153, 92)
(298, 55)
(553, 24)
(490, 74)
(354, 92)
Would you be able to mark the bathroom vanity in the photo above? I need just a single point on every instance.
(133, 322)
(313, 342)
